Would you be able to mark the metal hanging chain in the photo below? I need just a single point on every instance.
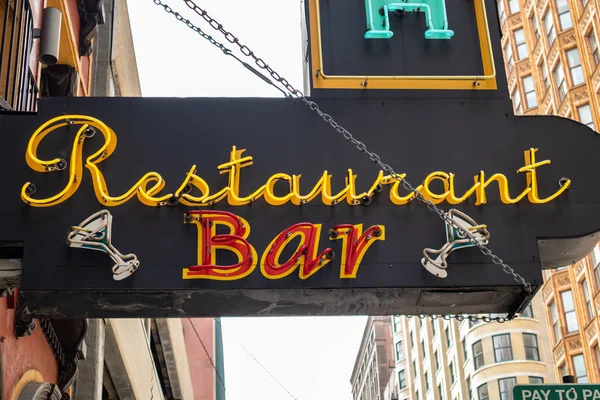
(207, 355)
(245, 50)
(255, 360)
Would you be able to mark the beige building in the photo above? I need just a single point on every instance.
(551, 57)
(438, 359)
(572, 298)
(374, 361)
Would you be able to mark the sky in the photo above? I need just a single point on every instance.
(312, 357)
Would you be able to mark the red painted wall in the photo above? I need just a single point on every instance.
(201, 370)
(20, 355)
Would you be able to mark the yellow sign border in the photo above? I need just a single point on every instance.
(323, 81)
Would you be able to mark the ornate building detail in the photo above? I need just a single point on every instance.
(548, 290)
(590, 332)
(580, 94)
(596, 80)
(512, 80)
(563, 111)
(559, 352)
(553, 55)
(537, 52)
(579, 266)
(574, 344)
(541, 7)
(528, 7)
(524, 67)
(586, 18)
(568, 38)
(515, 20)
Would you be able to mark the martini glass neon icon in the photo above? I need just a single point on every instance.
(454, 241)
(94, 233)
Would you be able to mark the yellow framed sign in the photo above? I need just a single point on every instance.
(342, 58)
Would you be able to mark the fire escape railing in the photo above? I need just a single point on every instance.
(18, 88)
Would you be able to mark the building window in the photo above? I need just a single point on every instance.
(478, 361)
(544, 73)
(585, 117)
(596, 263)
(469, 388)
(527, 312)
(448, 341)
(452, 372)
(586, 293)
(536, 380)
(417, 394)
(502, 347)
(522, 53)
(506, 386)
(575, 66)
(513, 5)
(437, 361)
(423, 348)
(412, 340)
(464, 346)
(597, 354)
(579, 364)
(440, 392)
(559, 79)
(569, 310)
(399, 351)
(534, 27)
(549, 27)
(593, 44)
(555, 324)
(426, 382)
(433, 330)
(516, 97)
(501, 12)
(402, 379)
(530, 96)
(509, 57)
(564, 16)
(415, 368)
(396, 323)
(531, 347)
(482, 392)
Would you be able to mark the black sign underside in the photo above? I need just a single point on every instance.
(168, 136)
(346, 51)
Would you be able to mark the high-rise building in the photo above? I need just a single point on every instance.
(438, 359)
(374, 361)
(572, 298)
(551, 57)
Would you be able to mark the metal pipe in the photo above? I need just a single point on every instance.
(50, 36)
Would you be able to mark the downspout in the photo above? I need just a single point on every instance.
(219, 361)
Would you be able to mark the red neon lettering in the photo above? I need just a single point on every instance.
(209, 242)
(355, 245)
(305, 255)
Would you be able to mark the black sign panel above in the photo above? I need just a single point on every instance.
(217, 207)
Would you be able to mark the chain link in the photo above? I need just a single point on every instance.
(360, 146)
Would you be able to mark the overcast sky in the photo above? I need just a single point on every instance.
(311, 357)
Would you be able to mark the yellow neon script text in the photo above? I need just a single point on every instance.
(195, 191)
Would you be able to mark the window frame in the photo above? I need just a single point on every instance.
(571, 311)
(520, 45)
(512, 356)
(560, 81)
(507, 395)
(582, 358)
(487, 395)
(477, 355)
(402, 379)
(536, 347)
(574, 69)
(529, 78)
